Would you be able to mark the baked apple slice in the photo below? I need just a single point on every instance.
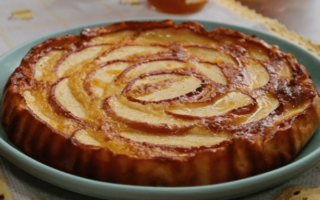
(99, 81)
(45, 67)
(285, 69)
(213, 72)
(74, 61)
(83, 137)
(211, 55)
(192, 139)
(145, 117)
(160, 87)
(266, 104)
(220, 106)
(129, 52)
(110, 38)
(170, 35)
(149, 66)
(259, 76)
(64, 102)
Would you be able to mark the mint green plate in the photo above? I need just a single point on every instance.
(308, 157)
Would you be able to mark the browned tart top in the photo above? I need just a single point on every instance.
(158, 89)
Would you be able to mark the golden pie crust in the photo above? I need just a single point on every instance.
(160, 104)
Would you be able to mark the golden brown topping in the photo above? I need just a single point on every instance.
(163, 91)
(159, 76)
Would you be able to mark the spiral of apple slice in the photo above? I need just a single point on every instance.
(266, 104)
(101, 79)
(143, 68)
(211, 55)
(212, 72)
(186, 140)
(224, 104)
(163, 87)
(138, 116)
(126, 52)
(259, 75)
(118, 37)
(182, 36)
(83, 137)
(44, 69)
(75, 61)
(65, 101)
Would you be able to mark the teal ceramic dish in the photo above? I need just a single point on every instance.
(307, 158)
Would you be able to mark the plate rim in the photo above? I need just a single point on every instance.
(106, 189)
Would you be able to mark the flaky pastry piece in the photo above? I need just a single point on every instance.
(160, 104)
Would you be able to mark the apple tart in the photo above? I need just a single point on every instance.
(160, 104)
